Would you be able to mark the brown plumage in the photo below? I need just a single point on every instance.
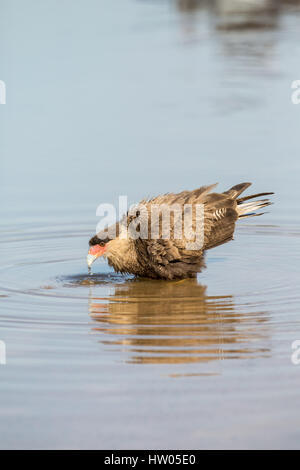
(167, 256)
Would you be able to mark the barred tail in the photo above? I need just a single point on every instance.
(248, 209)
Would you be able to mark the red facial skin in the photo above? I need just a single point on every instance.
(97, 250)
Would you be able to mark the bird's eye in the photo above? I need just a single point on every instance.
(138, 213)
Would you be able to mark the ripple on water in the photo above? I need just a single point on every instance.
(218, 316)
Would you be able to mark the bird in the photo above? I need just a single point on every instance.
(142, 243)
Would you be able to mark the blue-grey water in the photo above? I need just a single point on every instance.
(137, 98)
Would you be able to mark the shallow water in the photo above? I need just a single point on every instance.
(140, 98)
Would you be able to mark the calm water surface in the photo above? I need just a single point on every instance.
(138, 98)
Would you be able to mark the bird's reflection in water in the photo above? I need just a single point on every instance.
(159, 322)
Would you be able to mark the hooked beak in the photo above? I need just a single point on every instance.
(94, 252)
(90, 259)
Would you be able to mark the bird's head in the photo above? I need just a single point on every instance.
(119, 251)
(117, 245)
(95, 252)
(98, 246)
